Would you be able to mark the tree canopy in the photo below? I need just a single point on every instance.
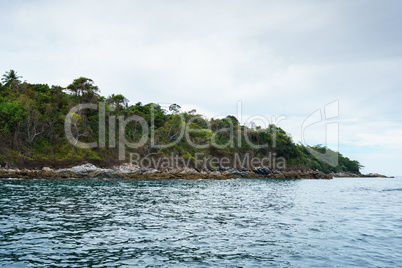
(32, 129)
(11, 79)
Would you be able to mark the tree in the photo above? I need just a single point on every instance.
(12, 115)
(74, 119)
(84, 89)
(175, 108)
(35, 122)
(11, 79)
(117, 101)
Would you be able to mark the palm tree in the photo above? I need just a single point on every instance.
(11, 78)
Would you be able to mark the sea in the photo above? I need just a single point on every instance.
(343, 222)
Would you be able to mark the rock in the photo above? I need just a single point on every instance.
(375, 175)
(298, 174)
(188, 171)
(257, 170)
(152, 171)
(237, 173)
(86, 171)
(345, 175)
(266, 170)
(105, 175)
(215, 173)
(126, 169)
(319, 174)
(279, 176)
(262, 171)
(135, 172)
(84, 168)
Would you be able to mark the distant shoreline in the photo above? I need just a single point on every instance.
(126, 171)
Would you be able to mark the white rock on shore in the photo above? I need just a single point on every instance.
(85, 168)
(126, 168)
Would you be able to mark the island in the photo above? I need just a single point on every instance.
(74, 132)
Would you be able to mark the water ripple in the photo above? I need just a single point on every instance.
(204, 223)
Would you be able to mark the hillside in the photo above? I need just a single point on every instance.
(38, 129)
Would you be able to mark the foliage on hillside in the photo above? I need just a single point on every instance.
(32, 129)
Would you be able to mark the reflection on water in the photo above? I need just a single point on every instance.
(200, 222)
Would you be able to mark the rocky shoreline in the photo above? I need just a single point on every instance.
(126, 171)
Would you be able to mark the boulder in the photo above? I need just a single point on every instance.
(279, 176)
(84, 168)
(127, 168)
(152, 171)
(188, 171)
(375, 175)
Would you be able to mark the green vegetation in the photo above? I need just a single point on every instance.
(32, 129)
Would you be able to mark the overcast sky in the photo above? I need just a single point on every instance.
(287, 58)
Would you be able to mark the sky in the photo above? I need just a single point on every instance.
(327, 72)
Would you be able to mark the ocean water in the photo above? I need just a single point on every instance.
(343, 222)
